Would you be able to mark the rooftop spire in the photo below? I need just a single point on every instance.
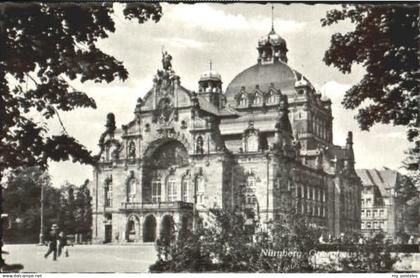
(211, 64)
(272, 18)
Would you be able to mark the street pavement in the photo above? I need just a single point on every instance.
(83, 258)
(111, 258)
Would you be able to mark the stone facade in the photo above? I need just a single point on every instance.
(262, 146)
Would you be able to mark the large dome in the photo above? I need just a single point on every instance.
(279, 75)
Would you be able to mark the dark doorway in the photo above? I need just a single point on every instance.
(108, 233)
(108, 228)
(131, 230)
(167, 228)
(149, 229)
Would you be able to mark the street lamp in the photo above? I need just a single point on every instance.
(41, 229)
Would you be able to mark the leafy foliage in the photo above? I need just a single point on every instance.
(22, 203)
(43, 47)
(75, 209)
(385, 41)
(69, 206)
(231, 244)
(374, 255)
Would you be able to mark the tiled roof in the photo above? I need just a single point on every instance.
(383, 179)
(210, 108)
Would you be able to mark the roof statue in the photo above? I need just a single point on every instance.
(166, 60)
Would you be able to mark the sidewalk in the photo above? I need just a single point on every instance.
(84, 258)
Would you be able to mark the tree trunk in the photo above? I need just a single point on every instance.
(2, 263)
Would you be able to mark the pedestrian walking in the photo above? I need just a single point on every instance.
(62, 244)
(52, 239)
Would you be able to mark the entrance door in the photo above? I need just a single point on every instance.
(149, 229)
(108, 233)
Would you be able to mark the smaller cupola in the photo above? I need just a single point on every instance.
(210, 81)
(210, 85)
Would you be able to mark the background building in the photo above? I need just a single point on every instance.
(263, 146)
(383, 207)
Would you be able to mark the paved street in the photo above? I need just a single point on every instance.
(111, 258)
(84, 258)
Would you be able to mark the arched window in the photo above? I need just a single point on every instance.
(131, 190)
(243, 101)
(201, 190)
(272, 98)
(132, 150)
(108, 192)
(107, 154)
(257, 99)
(184, 189)
(200, 145)
(171, 189)
(156, 189)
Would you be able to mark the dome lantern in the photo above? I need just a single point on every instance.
(210, 85)
(271, 47)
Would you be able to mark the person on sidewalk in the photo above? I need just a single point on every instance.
(62, 244)
(52, 239)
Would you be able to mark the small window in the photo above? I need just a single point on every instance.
(243, 101)
(132, 150)
(156, 190)
(171, 189)
(257, 99)
(272, 98)
(184, 189)
(200, 145)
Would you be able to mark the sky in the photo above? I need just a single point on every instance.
(227, 34)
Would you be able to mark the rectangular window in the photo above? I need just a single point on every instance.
(184, 190)
(363, 225)
(381, 213)
(368, 201)
(368, 225)
(156, 191)
(368, 213)
(172, 192)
